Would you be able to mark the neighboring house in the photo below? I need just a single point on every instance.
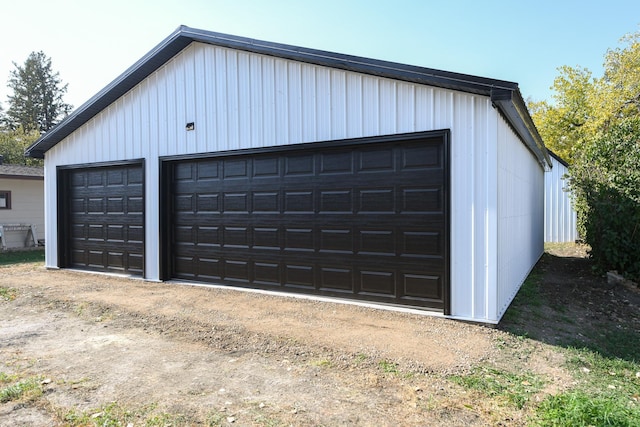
(560, 218)
(21, 202)
(234, 161)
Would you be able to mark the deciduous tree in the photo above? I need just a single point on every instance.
(12, 146)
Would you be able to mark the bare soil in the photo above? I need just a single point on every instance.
(228, 357)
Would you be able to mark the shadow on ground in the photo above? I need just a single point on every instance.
(563, 302)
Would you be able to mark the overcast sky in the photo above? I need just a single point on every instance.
(93, 42)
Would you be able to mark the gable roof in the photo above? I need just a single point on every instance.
(21, 172)
(505, 95)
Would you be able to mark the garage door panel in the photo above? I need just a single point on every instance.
(267, 273)
(299, 275)
(422, 286)
(103, 218)
(377, 282)
(209, 269)
(376, 160)
(422, 157)
(336, 278)
(236, 270)
(367, 221)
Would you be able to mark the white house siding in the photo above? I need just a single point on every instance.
(27, 207)
(520, 215)
(560, 219)
(245, 100)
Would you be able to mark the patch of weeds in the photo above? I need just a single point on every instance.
(116, 415)
(111, 415)
(515, 389)
(607, 394)
(79, 309)
(360, 358)
(7, 378)
(215, 419)
(388, 367)
(28, 390)
(267, 421)
(323, 363)
(162, 420)
(7, 294)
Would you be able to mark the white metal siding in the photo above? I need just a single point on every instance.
(560, 219)
(520, 215)
(27, 207)
(245, 100)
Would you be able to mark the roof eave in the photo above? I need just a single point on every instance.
(514, 109)
(153, 60)
(23, 177)
(501, 92)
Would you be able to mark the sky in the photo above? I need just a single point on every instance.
(92, 42)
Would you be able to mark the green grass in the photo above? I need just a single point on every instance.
(607, 392)
(513, 389)
(19, 257)
(614, 344)
(528, 296)
(578, 408)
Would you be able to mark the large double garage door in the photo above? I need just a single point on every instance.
(362, 220)
(365, 220)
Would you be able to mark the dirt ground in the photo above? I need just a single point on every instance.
(227, 357)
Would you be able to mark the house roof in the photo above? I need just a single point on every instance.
(21, 172)
(505, 95)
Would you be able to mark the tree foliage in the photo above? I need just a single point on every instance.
(36, 103)
(605, 181)
(12, 146)
(594, 124)
(564, 124)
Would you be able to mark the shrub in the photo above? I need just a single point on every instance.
(605, 180)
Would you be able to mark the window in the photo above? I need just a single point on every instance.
(5, 199)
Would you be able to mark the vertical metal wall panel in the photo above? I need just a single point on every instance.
(354, 105)
(245, 100)
(406, 108)
(261, 96)
(323, 104)
(370, 106)
(387, 109)
(294, 102)
(520, 215)
(338, 104)
(282, 104)
(560, 218)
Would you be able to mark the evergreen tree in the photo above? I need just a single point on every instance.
(36, 103)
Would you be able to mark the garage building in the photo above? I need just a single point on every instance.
(233, 161)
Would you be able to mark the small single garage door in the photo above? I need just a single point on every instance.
(101, 218)
(361, 220)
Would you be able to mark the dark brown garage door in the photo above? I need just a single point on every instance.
(356, 220)
(101, 218)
